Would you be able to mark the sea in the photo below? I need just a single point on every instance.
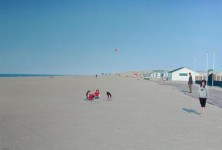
(27, 75)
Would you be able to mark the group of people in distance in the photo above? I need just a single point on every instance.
(96, 95)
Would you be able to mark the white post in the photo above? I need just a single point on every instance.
(207, 66)
(213, 69)
(170, 74)
(194, 68)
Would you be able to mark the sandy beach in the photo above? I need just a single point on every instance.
(51, 114)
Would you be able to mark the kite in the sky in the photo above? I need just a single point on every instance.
(116, 50)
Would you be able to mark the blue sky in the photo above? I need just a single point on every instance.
(80, 37)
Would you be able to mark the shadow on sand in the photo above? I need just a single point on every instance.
(184, 91)
(191, 111)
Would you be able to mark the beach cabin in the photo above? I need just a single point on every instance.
(181, 74)
(155, 75)
(158, 74)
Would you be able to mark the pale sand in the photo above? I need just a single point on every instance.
(51, 114)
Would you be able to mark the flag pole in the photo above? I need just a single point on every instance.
(213, 68)
(194, 68)
(207, 68)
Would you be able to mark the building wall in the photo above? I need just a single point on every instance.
(182, 75)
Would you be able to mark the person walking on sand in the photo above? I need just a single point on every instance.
(190, 82)
(203, 95)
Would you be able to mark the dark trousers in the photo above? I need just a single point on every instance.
(190, 87)
(203, 102)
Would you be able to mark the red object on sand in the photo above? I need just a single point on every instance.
(97, 93)
(91, 96)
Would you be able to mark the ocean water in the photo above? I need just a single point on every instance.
(27, 75)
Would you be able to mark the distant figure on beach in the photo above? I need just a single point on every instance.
(190, 82)
(96, 75)
(97, 94)
(109, 96)
(203, 95)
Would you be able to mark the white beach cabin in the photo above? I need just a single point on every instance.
(181, 74)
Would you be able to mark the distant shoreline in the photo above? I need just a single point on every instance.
(37, 75)
(27, 75)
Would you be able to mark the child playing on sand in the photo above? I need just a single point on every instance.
(109, 96)
(89, 95)
(97, 94)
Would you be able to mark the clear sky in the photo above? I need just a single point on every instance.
(80, 36)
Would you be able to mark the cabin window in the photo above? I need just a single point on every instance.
(183, 74)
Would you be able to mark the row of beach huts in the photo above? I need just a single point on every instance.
(179, 74)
